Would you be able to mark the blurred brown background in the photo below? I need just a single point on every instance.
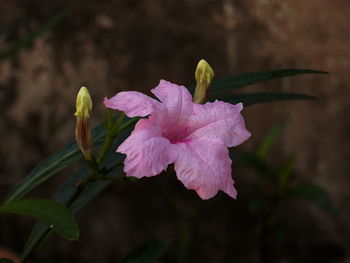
(130, 45)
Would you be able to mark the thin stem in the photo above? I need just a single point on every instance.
(93, 164)
(128, 123)
(111, 133)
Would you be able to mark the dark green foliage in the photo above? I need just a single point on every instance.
(49, 212)
(67, 194)
(47, 168)
(226, 85)
(254, 98)
(313, 193)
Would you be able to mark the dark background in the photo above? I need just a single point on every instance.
(130, 45)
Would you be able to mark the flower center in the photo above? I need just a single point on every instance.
(176, 135)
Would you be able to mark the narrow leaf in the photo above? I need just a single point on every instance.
(254, 98)
(285, 174)
(228, 84)
(49, 212)
(44, 170)
(256, 163)
(41, 231)
(65, 194)
(315, 194)
(268, 141)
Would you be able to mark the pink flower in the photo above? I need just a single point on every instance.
(193, 136)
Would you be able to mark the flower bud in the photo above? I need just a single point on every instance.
(82, 129)
(83, 104)
(204, 75)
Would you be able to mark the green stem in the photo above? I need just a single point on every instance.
(128, 123)
(112, 132)
(92, 164)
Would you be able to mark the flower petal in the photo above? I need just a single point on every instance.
(133, 103)
(219, 120)
(148, 153)
(178, 107)
(204, 166)
(177, 101)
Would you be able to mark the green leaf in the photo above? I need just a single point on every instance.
(148, 253)
(64, 195)
(254, 98)
(47, 168)
(6, 260)
(41, 231)
(22, 43)
(315, 194)
(49, 212)
(256, 163)
(268, 140)
(228, 84)
(284, 175)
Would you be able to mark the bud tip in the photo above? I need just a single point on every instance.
(204, 75)
(83, 104)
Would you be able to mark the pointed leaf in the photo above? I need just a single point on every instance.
(65, 194)
(228, 84)
(254, 98)
(285, 174)
(268, 140)
(41, 231)
(49, 212)
(256, 163)
(44, 170)
(315, 194)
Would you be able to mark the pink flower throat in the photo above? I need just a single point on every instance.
(177, 135)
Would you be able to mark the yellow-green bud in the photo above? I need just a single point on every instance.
(82, 129)
(83, 104)
(204, 75)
